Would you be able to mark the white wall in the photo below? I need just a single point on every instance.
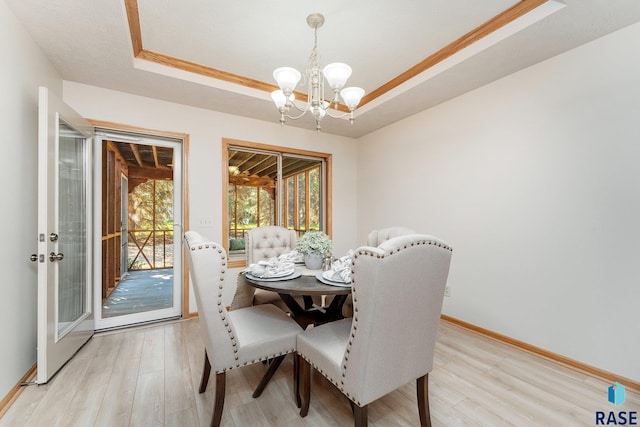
(206, 130)
(535, 182)
(24, 68)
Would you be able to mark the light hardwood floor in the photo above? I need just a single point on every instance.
(150, 376)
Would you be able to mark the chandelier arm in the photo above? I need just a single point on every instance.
(339, 116)
(303, 112)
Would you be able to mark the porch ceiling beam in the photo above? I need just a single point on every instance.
(150, 173)
(136, 153)
(155, 155)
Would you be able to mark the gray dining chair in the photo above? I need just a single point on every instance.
(398, 289)
(233, 339)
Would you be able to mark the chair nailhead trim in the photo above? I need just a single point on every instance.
(271, 356)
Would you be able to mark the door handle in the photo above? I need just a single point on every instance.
(53, 257)
(34, 257)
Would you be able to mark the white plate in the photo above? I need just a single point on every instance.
(274, 275)
(294, 275)
(326, 281)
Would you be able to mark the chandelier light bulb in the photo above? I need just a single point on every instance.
(352, 96)
(287, 78)
(337, 74)
(280, 99)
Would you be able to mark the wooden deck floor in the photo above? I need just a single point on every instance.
(149, 377)
(140, 291)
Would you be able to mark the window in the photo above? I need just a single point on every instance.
(270, 185)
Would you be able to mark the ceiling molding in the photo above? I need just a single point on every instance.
(489, 27)
(497, 22)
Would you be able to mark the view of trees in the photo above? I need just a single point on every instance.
(149, 196)
(245, 208)
(151, 225)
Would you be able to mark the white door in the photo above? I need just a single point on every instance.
(65, 318)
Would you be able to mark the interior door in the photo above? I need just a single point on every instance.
(65, 318)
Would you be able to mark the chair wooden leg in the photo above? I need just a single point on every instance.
(296, 378)
(305, 378)
(218, 405)
(206, 371)
(273, 367)
(422, 385)
(360, 416)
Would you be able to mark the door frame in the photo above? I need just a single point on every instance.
(184, 138)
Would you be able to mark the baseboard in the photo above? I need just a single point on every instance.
(565, 361)
(13, 394)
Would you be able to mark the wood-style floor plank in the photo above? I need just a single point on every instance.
(149, 376)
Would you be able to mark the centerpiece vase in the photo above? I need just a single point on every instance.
(313, 261)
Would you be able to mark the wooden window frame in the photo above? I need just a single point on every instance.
(228, 143)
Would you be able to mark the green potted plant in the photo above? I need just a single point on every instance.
(314, 245)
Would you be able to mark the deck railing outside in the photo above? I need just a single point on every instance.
(150, 249)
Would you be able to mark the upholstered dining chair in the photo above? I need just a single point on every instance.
(375, 238)
(398, 289)
(262, 244)
(233, 339)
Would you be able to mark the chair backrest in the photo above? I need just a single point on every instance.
(267, 242)
(376, 237)
(398, 290)
(207, 265)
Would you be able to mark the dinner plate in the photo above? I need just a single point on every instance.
(326, 281)
(275, 274)
(296, 273)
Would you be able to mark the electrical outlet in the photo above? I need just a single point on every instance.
(447, 291)
(206, 221)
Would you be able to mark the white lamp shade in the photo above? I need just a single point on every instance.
(352, 96)
(287, 78)
(337, 74)
(280, 99)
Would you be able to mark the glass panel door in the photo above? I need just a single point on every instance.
(65, 318)
(72, 227)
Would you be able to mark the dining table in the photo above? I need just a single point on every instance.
(306, 283)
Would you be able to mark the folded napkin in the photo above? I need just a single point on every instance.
(271, 268)
(292, 256)
(340, 269)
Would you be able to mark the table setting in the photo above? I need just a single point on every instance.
(273, 270)
(339, 274)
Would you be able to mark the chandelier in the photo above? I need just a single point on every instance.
(336, 75)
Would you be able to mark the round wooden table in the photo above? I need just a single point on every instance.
(306, 286)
